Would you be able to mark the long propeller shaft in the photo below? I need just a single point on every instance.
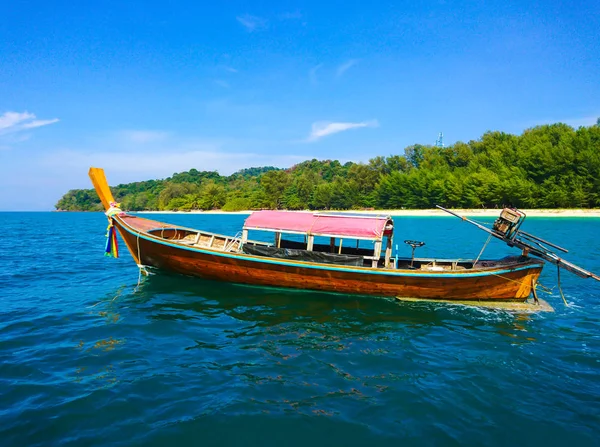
(539, 249)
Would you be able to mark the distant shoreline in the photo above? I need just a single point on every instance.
(425, 213)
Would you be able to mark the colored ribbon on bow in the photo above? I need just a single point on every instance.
(112, 246)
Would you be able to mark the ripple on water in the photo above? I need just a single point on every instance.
(88, 358)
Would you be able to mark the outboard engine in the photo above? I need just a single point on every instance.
(509, 222)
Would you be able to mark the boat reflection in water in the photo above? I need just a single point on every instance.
(172, 297)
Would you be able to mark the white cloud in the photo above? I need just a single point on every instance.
(10, 119)
(161, 158)
(322, 129)
(14, 122)
(252, 23)
(129, 156)
(345, 67)
(143, 136)
(127, 166)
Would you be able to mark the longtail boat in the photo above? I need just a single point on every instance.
(296, 259)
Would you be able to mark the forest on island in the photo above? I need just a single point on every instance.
(549, 166)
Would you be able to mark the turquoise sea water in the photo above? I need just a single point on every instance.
(88, 358)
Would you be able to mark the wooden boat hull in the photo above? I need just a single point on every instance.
(510, 282)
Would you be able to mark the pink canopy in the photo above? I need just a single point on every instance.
(346, 225)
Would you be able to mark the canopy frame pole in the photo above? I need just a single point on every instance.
(278, 239)
(376, 254)
(311, 242)
(388, 251)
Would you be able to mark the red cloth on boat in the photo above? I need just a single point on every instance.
(360, 226)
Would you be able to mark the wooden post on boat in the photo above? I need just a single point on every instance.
(311, 241)
(244, 236)
(388, 252)
(376, 254)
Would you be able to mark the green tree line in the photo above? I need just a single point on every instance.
(550, 166)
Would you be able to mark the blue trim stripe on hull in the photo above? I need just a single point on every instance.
(328, 267)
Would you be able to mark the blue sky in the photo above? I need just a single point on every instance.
(145, 89)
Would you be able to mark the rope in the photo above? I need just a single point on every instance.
(559, 287)
(534, 291)
(482, 249)
(141, 267)
(113, 210)
(548, 290)
(309, 232)
(544, 289)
